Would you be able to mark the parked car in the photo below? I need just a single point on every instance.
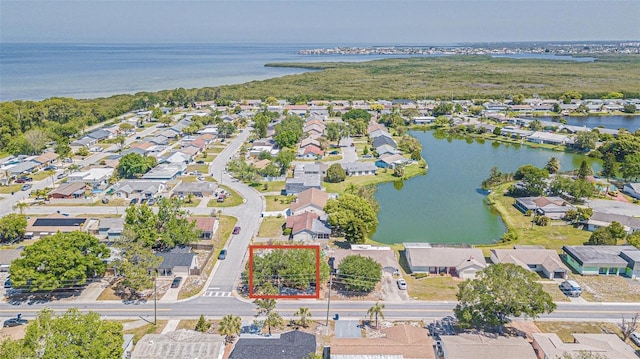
(14, 322)
(7, 282)
(402, 284)
(334, 152)
(61, 175)
(635, 337)
(571, 288)
(51, 168)
(151, 201)
(26, 187)
(23, 180)
(176, 282)
(133, 201)
(236, 230)
(223, 254)
(201, 162)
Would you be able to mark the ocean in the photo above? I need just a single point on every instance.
(39, 71)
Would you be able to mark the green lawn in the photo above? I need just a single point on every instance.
(233, 200)
(278, 203)
(140, 332)
(10, 188)
(275, 186)
(271, 227)
(382, 176)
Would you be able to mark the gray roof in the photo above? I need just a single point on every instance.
(607, 218)
(359, 166)
(23, 166)
(477, 346)
(423, 256)
(179, 344)
(599, 256)
(175, 258)
(384, 140)
(130, 186)
(99, 134)
(290, 345)
(111, 224)
(192, 187)
(165, 171)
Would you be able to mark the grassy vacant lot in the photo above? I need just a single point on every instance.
(278, 203)
(608, 288)
(554, 290)
(271, 227)
(441, 77)
(552, 237)
(565, 329)
(275, 186)
(432, 287)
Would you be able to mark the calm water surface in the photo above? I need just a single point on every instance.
(631, 123)
(445, 205)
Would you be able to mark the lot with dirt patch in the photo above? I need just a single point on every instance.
(608, 288)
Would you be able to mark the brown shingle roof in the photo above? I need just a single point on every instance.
(409, 341)
(311, 197)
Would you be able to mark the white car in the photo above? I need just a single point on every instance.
(402, 284)
(635, 337)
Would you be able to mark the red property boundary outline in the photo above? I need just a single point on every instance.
(273, 296)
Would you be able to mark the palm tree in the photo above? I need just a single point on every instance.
(230, 326)
(304, 315)
(553, 166)
(273, 320)
(20, 206)
(376, 311)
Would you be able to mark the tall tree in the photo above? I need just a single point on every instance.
(230, 327)
(136, 265)
(359, 274)
(584, 170)
(284, 159)
(553, 166)
(12, 227)
(376, 311)
(335, 173)
(267, 307)
(488, 301)
(59, 261)
(631, 166)
(609, 165)
(352, 215)
(586, 140)
(71, 335)
(133, 165)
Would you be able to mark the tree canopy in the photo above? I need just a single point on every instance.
(59, 261)
(352, 215)
(497, 293)
(12, 227)
(356, 114)
(133, 165)
(289, 131)
(359, 274)
(70, 335)
(335, 173)
(293, 268)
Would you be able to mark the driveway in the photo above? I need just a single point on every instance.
(390, 289)
(348, 152)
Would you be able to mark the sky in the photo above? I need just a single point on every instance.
(317, 21)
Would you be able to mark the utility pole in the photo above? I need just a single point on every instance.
(155, 299)
(329, 299)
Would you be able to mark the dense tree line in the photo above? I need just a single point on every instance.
(293, 268)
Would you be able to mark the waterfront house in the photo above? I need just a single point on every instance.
(423, 120)
(599, 219)
(307, 227)
(383, 255)
(552, 207)
(391, 161)
(360, 168)
(606, 346)
(462, 262)
(291, 345)
(485, 346)
(302, 182)
(384, 139)
(604, 260)
(179, 344)
(632, 189)
(400, 341)
(387, 149)
(550, 138)
(546, 262)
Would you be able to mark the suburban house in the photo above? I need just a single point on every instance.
(85, 141)
(552, 207)
(384, 139)
(196, 189)
(307, 227)
(312, 169)
(533, 258)
(46, 158)
(632, 189)
(44, 226)
(291, 345)
(71, 190)
(387, 149)
(609, 346)
(482, 346)
(550, 138)
(111, 228)
(177, 157)
(456, 261)
(96, 177)
(21, 167)
(308, 142)
(138, 189)
(302, 182)
(100, 134)
(310, 152)
(206, 225)
(177, 261)
(311, 200)
(402, 341)
(360, 168)
(604, 260)
(385, 256)
(165, 172)
(179, 344)
(391, 161)
(600, 219)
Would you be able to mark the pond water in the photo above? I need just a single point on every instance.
(632, 123)
(446, 205)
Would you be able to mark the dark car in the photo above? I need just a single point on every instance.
(21, 180)
(223, 254)
(51, 168)
(151, 201)
(133, 201)
(7, 283)
(236, 230)
(176, 282)
(14, 322)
